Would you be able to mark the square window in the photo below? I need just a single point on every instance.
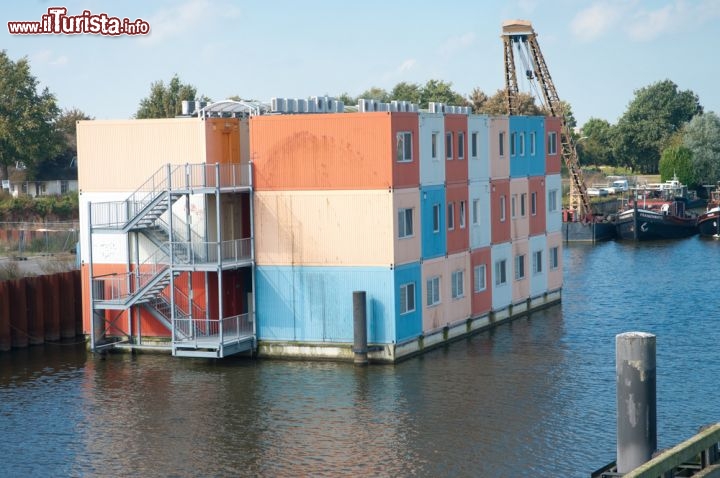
(513, 140)
(554, 260)
(533, 204)
(476, 212)
(433, 291)
(405, 222)
(502, 208)
(462, 214)
(552, 200)
(523, 201)
(404, 147)
(474, 145)
(434, 145)
(501, 146)
(407, 298)
(458, 290)
(436, 217)
(479, 278)
(512, 206)
(537, 262)
(522, 144)
(500, 272)
(532, 143)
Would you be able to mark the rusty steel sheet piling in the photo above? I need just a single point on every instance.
(67, 305)
(52, 308)
(35, 295)
(5, 340)
(636, 399)
(18, 314)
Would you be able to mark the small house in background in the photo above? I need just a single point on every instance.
(244, 226)
(39, 188)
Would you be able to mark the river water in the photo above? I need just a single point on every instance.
(532, 398)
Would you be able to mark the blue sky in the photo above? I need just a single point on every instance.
(598, 52)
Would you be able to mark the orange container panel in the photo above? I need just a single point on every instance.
(407, 248)
(536, 191)
(500, 210)
(322, 151)
(222, 139)
(555, 257)
(519, 208)
(406, 173)
(480, 275)
(456, 156)
(121, 155)
(521, 270)
(458, 238)
(349, 228)
(552, 161)
(499, 137)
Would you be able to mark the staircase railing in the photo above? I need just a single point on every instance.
(121, 288)
(225, 330)
(236, 250)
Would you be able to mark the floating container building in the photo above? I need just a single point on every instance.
(248, 228)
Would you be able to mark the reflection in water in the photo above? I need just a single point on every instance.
(532, 398)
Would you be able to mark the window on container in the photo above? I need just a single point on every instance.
(513, 200)
(476, 212)
(405, 222)
(451, 216)
(520, 267)
(462, 214)
(461, 145)
(479, 278)
(404, 147)
(537, 262)
(474, 145)
(449, 146)
(521, 138)
(458, 279)
(502, 208)
(533, 204)
(552, 200)
(554, 260)
(513, 140)
(407, 298)
(432, 291)
(523, 202)
(436, 217)
(552, 142)
(532, 143)
(501, 146)
(434, 145)
(500, 272)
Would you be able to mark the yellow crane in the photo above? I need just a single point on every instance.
(520, 34)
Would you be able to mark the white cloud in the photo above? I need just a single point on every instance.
(457, 42)
(48, 57)
(187, 16)
(648, 25)
(406, 65)
(596, 20)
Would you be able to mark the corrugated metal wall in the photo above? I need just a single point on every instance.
(409, 324)
(324, 227)
(479, 220)
(456, 166)
(501, 292)
(499, 164)
(553, 220)
(315, 304)
(555, 274)
(222, 136)
(536, 187)
(538, 279)
(536, 133)
(553, 162)
(434, 241)
(458, 238)
(482, 299)
(338, 151)
(479, 165)
(128, 152)
(520, 285)
(405, 174)
(432, 168)
(457, 308)
(406, 249)
(520, 217)
(499, 194)
(433, 316)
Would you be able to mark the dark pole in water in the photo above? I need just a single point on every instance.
(360, 328)
(636, 221)
(636, 399)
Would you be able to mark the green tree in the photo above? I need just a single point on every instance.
(497, 104)
(596, 146)
(404, 91)
(347, 99)
(702, 137)
(477, 99)
(440, 91)
(26, 118)
(677, 161)
(166, 101)
(63, 165)
(652, 117)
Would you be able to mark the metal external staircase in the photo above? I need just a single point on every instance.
(150, 285)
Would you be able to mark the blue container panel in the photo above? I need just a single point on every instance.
(314, 304)
(434, 242)
(532, 161)
(536, 166)
(408, 325)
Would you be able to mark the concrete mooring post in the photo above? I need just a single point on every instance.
(636, 399)
(360, 347)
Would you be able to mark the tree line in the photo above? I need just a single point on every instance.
(664, 129)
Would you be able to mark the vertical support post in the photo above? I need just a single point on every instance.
(360, 348)
(636, 399)
(218, 224)
(636, 220)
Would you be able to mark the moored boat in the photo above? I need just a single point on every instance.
(670, 221)
(709, 222)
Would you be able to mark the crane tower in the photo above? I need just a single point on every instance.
(520, 34)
